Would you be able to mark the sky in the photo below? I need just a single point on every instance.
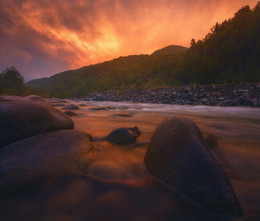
(44, 37)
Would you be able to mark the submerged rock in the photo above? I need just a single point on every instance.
(211, 140)
(22, 117)
(124, 135)
(82, 105)
(122, 115)
(178, 155)
(70, 113)
(70, 107)
(109, 171)
(33, 160)
(98, 108)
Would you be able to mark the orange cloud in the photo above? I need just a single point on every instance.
(42, 37)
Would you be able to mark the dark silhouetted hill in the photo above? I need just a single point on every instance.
(172, 49)
(131, 72)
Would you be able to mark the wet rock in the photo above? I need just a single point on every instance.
(124, 107)
(35, 98)
(98, 108)
(178, 155)
(22, 117)
(124, 135)
(211, 140)
(228, 102)
(58, 104)
(18, 98)
(57, 100)
(204, 100)
(247, 102)
(180, 101)
(108, 170)
(70, 107)
(111, 108)
(221, 98)
(33, 160)
(122, 115)
(70, 113)
(10, 98)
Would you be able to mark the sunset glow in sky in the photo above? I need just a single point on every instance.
(44, 37)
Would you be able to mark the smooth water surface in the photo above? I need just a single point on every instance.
(117, 185)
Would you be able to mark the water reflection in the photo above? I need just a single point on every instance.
(113, 183)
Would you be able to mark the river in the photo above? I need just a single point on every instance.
(123, 189)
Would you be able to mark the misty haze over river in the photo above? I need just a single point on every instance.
(120, 188)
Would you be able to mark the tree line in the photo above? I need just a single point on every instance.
(230, 53)
(12, 83)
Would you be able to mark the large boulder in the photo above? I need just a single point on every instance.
(23, 117)
(38, 158)
(178, 155)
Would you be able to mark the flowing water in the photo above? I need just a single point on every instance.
(116, 184)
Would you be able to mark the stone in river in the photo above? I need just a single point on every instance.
(36, 98)
(178, 155)
(122, 115)
(98, 108)
(22, 117)
(211, 141)
(247, 102)
(70, 113)
(70, 107)
(124, 135)
(33, 160)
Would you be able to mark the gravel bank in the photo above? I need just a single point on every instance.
(222, 95)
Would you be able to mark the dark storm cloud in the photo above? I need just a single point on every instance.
(42, 37)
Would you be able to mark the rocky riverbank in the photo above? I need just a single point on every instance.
(221, 95)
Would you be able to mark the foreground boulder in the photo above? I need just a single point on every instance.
(178, 155)
(124, 135)
(23, 117)
(36, 159)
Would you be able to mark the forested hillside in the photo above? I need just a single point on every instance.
(132, 72)
(230, 53)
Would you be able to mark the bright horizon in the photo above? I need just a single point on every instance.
(42, 38)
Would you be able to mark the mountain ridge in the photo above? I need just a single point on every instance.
(122, 69)
(171, 49)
